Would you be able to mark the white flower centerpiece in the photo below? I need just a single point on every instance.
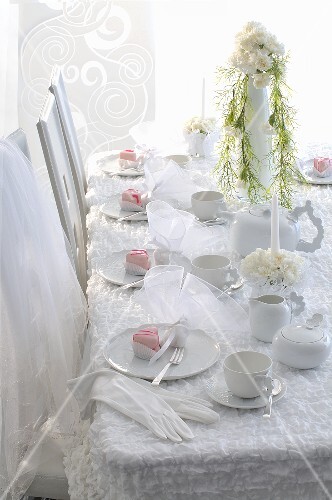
(201, 135)
(270, 272)
(273, 270)
(257, 151)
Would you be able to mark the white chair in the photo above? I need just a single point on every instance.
(20, 139)
(57, 87)
(57, 161)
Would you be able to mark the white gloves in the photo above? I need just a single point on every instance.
(157, 409)
(187, 407)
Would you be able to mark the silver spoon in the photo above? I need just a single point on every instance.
(276, 389)
(211, 222)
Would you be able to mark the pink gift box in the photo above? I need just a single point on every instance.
(128, 154)
(132, 196)
(139, 258)
(148, 337)
(322, 167)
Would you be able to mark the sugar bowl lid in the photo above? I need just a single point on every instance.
(302, 334)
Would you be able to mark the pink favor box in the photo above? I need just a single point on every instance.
(132, 196)
(139, 258)
(128, 154)
(322, 166)
(148, 337)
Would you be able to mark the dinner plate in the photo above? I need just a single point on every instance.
(217, 390)
(110, 165)
(112, 209)
(200, 353)
(308, 174)
(115, 272)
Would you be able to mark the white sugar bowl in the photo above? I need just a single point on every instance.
(301, 346)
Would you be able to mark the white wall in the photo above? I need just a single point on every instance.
(106, 50)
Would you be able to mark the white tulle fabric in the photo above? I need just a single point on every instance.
(43, 319)
(170, 296)
(169, 182)
(178, 231)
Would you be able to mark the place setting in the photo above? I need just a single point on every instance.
(125, 163)
(185, 321)
(317, 170)
(128, 206)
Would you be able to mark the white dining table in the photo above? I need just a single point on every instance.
(243, 456)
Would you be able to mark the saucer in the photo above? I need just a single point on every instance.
(113, 270)
(217, 390)
(308, 174)
(110, 165)
(113, 210)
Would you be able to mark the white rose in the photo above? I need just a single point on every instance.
(261, 61)
(261, 80)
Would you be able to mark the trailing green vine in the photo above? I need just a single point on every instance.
(260, 57)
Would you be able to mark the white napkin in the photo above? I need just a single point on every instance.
(171, 298)
(178, 231)
(157, 409)
(169, 182)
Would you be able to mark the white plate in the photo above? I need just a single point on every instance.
(112, 209)
(200, 352)
(217, 390)
(307, 171)
(110, 165)
(115, 271)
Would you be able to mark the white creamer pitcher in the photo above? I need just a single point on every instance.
(269, 313)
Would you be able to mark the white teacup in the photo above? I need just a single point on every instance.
(206, 205)
(181, 160)
(215, 269)
(247, 373)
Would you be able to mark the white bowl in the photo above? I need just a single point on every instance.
(301, 347)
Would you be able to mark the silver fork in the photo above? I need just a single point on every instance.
(131, 215)
(175, 360)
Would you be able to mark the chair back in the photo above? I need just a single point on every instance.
(57, 87)
(59, 170)
(20, 139)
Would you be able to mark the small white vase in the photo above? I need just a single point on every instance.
(201, 144)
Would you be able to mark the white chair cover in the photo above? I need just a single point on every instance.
(43, 318)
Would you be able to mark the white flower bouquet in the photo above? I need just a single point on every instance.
(198, 125)
(201, 135)
(256, 51)
(277, 271)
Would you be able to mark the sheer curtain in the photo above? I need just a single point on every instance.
(194, 37)
(8, 66)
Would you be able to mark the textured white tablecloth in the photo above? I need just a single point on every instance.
(243, 456)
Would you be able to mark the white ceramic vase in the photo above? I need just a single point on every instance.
(257, 114)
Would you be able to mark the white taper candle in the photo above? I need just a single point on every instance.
(275, 243)
(203, 98)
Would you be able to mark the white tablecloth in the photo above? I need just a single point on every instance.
(243, 456)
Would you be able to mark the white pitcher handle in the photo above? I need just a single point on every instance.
(315, 244)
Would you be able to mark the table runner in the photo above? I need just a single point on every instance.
(243, 456)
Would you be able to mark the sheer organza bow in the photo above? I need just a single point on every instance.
(178, 231)
(169, 182)
(172, 297)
